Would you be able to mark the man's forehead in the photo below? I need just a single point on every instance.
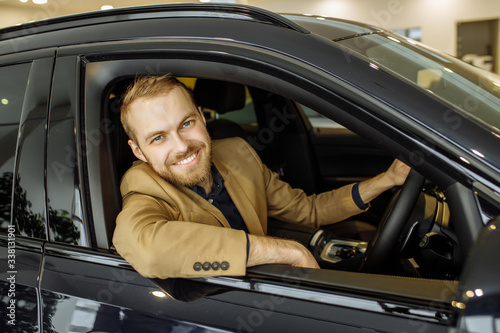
(175, 95)
(160, 112)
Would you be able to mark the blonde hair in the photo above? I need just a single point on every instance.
(144, 87)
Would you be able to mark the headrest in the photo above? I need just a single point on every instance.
(220, 96)
(118, 139)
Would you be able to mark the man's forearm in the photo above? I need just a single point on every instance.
(373, 187)
(269, 250)
(395, 175)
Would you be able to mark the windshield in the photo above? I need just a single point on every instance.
(472, 90)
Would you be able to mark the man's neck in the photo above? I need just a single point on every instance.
(207, 184)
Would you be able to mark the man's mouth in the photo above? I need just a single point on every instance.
(190, 158)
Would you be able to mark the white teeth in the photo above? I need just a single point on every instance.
(187, 160)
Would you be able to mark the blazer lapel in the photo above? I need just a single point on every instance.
(240, 199)
(204, 205)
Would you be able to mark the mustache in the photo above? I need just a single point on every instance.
(191, 149)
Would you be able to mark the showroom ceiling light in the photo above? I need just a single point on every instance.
(221, 1)
(159, 294)
(38, 2)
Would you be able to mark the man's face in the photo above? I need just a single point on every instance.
(172, 137)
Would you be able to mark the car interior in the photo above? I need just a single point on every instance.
(281, 132)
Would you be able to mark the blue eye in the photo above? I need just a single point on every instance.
(158, 138)
(187, 123)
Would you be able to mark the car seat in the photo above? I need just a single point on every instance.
(221, 97)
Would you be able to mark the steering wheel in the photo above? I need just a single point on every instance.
(384, 244)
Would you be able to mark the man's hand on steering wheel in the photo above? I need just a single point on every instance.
(394, 176)
(397, 173)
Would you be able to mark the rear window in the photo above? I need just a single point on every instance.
(13, 82)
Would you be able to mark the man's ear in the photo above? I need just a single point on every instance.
(137, 151)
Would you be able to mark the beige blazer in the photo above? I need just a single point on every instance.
(166, 230)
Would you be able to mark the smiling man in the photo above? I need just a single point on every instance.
(193, 207)
(172, 138)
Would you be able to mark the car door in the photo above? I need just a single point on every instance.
(25, 86)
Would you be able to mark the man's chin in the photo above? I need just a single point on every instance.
(187, 182)
(183, 179)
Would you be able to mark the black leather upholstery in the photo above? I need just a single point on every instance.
(221, 97)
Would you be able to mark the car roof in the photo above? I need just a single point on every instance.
(219, 11)
(333, 29)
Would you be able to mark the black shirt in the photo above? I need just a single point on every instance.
(221, 200)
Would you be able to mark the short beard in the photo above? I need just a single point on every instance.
(200, 175)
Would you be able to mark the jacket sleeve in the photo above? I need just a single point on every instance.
(294, 205)
(150, 237)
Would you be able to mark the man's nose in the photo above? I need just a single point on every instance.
(180, 144)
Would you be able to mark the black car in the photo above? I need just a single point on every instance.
(324, 102)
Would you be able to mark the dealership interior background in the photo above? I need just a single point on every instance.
(467, 29)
